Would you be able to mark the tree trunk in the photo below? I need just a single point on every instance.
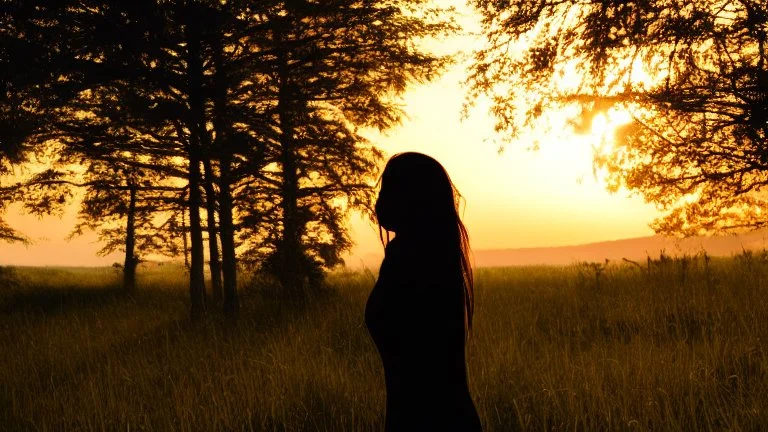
(290, 245)
(231, 303)
(290, 271)
(197, 258)
(184, 237)
(196, 128)
(129, 268)
(224, 148)
(213, 233)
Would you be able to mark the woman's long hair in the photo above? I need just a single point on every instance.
(417, 194)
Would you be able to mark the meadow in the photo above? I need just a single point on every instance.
(667, 345)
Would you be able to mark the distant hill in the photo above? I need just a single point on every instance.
(634, 249)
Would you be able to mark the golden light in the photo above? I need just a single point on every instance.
(520, 198)
(600, 125)
(604, 125)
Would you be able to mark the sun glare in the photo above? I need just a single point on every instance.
(605, 123)
(600, 125)
(604, 126)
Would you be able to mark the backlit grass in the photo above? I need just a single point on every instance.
(674, 346)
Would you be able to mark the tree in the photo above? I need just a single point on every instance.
(7, 233)
(144, 82)
(693, 74)
(154, 86)
(12, 152)
(329, 68)
(117, 82)
(21, 94)
(253, 108)
(133, 212)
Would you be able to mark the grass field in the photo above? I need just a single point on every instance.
(675, 346)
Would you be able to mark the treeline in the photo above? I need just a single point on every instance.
(232, 126)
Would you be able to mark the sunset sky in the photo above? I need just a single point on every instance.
(517, 198)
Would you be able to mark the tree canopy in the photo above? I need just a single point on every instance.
(692, 73)
(242, 117)
(328, 69)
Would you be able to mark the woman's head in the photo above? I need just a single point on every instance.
(417, 197)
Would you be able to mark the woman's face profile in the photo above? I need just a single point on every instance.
(415, 193)
(385, 206)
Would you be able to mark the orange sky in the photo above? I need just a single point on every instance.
(519, 198)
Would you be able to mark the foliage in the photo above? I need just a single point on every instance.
(105, 208)
(268, 97)
(80, 76)
(693, 74)
(7, 233)
(329, 69)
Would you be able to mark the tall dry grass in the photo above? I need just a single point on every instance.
(675, 345)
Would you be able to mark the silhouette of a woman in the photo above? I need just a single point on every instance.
(420, 309)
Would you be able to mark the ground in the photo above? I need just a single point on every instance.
(663, 345)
